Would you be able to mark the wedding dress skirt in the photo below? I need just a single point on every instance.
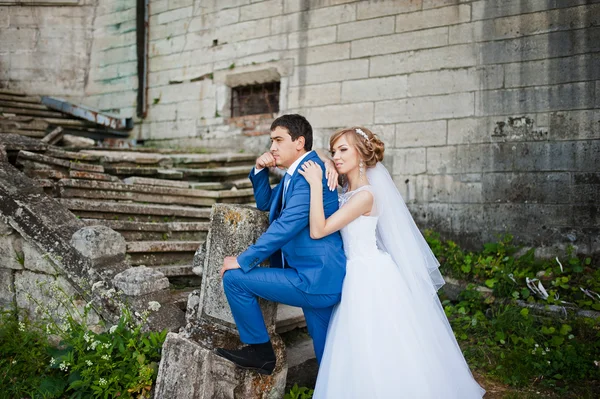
(386, 338)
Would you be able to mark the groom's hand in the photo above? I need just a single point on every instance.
(266, 160)
(229, 263)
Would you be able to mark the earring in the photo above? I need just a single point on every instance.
(361, 170)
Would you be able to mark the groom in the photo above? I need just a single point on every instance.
(304, 272)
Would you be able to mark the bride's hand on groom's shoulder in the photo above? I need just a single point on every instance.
(312, 172)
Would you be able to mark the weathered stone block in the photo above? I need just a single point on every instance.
(189, 370)
(312, 37)
(140, 280)
(433, 18)
(326, 53)
(336, 71)
(375, 89)
(409, 161)
(233, 229)
(544, 188)
(535, 99)
(447, 189)
(425, 108)
(99, 243)
(400, 42)
(11, 251)
(386, 7)
(314, 95)
(420, 134)
(552, 71)
(35, 261)
(37, 290)
(495, 9)
(547, 45)
(7, 291)
(364, 29)
(261, 10)
(331, 15)
(337, 116)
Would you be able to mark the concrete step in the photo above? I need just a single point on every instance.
(144, 231)
(221, 174)
(289, 318)
(162, 246)
(193, 161)
(176, 270)
(158, 172)
(162, 253)
(76, 188)
(125, 211)
(131, 158)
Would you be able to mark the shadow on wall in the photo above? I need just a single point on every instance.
(538, 169)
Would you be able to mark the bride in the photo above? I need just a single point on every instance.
(389, 336)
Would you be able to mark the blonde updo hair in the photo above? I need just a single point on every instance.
(370, 148)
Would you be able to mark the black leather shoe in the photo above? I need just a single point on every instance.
(259, 357)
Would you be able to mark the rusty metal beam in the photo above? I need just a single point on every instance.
(142, 27)
(90, 114)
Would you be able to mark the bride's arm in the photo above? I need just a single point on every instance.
(361, 203)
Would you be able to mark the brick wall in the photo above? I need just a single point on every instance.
(489, 109)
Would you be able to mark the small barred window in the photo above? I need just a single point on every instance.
(255, 99)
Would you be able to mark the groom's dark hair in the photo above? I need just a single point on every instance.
(298, 126)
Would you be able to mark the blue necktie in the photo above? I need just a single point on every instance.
(286, 180)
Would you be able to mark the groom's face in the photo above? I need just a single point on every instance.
(284, 150)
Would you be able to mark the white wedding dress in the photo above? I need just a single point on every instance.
(388, 337)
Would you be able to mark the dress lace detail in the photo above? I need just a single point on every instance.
(359, 235)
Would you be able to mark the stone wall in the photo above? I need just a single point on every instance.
(489, 109)
(45, 46)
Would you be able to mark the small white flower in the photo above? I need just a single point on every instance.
(102, 381)
(137, 314)
(548, 361)
(106, 357)
(21, 326)
(106, 346)
(536, 345)
(86, 337)
(153, 306)
(95, 344)
(64, 366)
(48, 330)
(13, 362)
(113, 329)
(52, 361)
(89, 362)
(547, 350)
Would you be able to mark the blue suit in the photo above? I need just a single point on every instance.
(314, 269)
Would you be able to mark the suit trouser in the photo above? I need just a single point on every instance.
(242, 290)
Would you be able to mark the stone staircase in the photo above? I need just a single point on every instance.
(159, 200)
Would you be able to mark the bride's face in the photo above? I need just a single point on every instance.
(345, 156)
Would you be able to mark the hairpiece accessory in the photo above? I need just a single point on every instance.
(362, 133)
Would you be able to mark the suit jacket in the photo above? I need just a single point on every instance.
(320, 264)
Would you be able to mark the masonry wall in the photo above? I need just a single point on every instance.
(489, 109)
(45, 47)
